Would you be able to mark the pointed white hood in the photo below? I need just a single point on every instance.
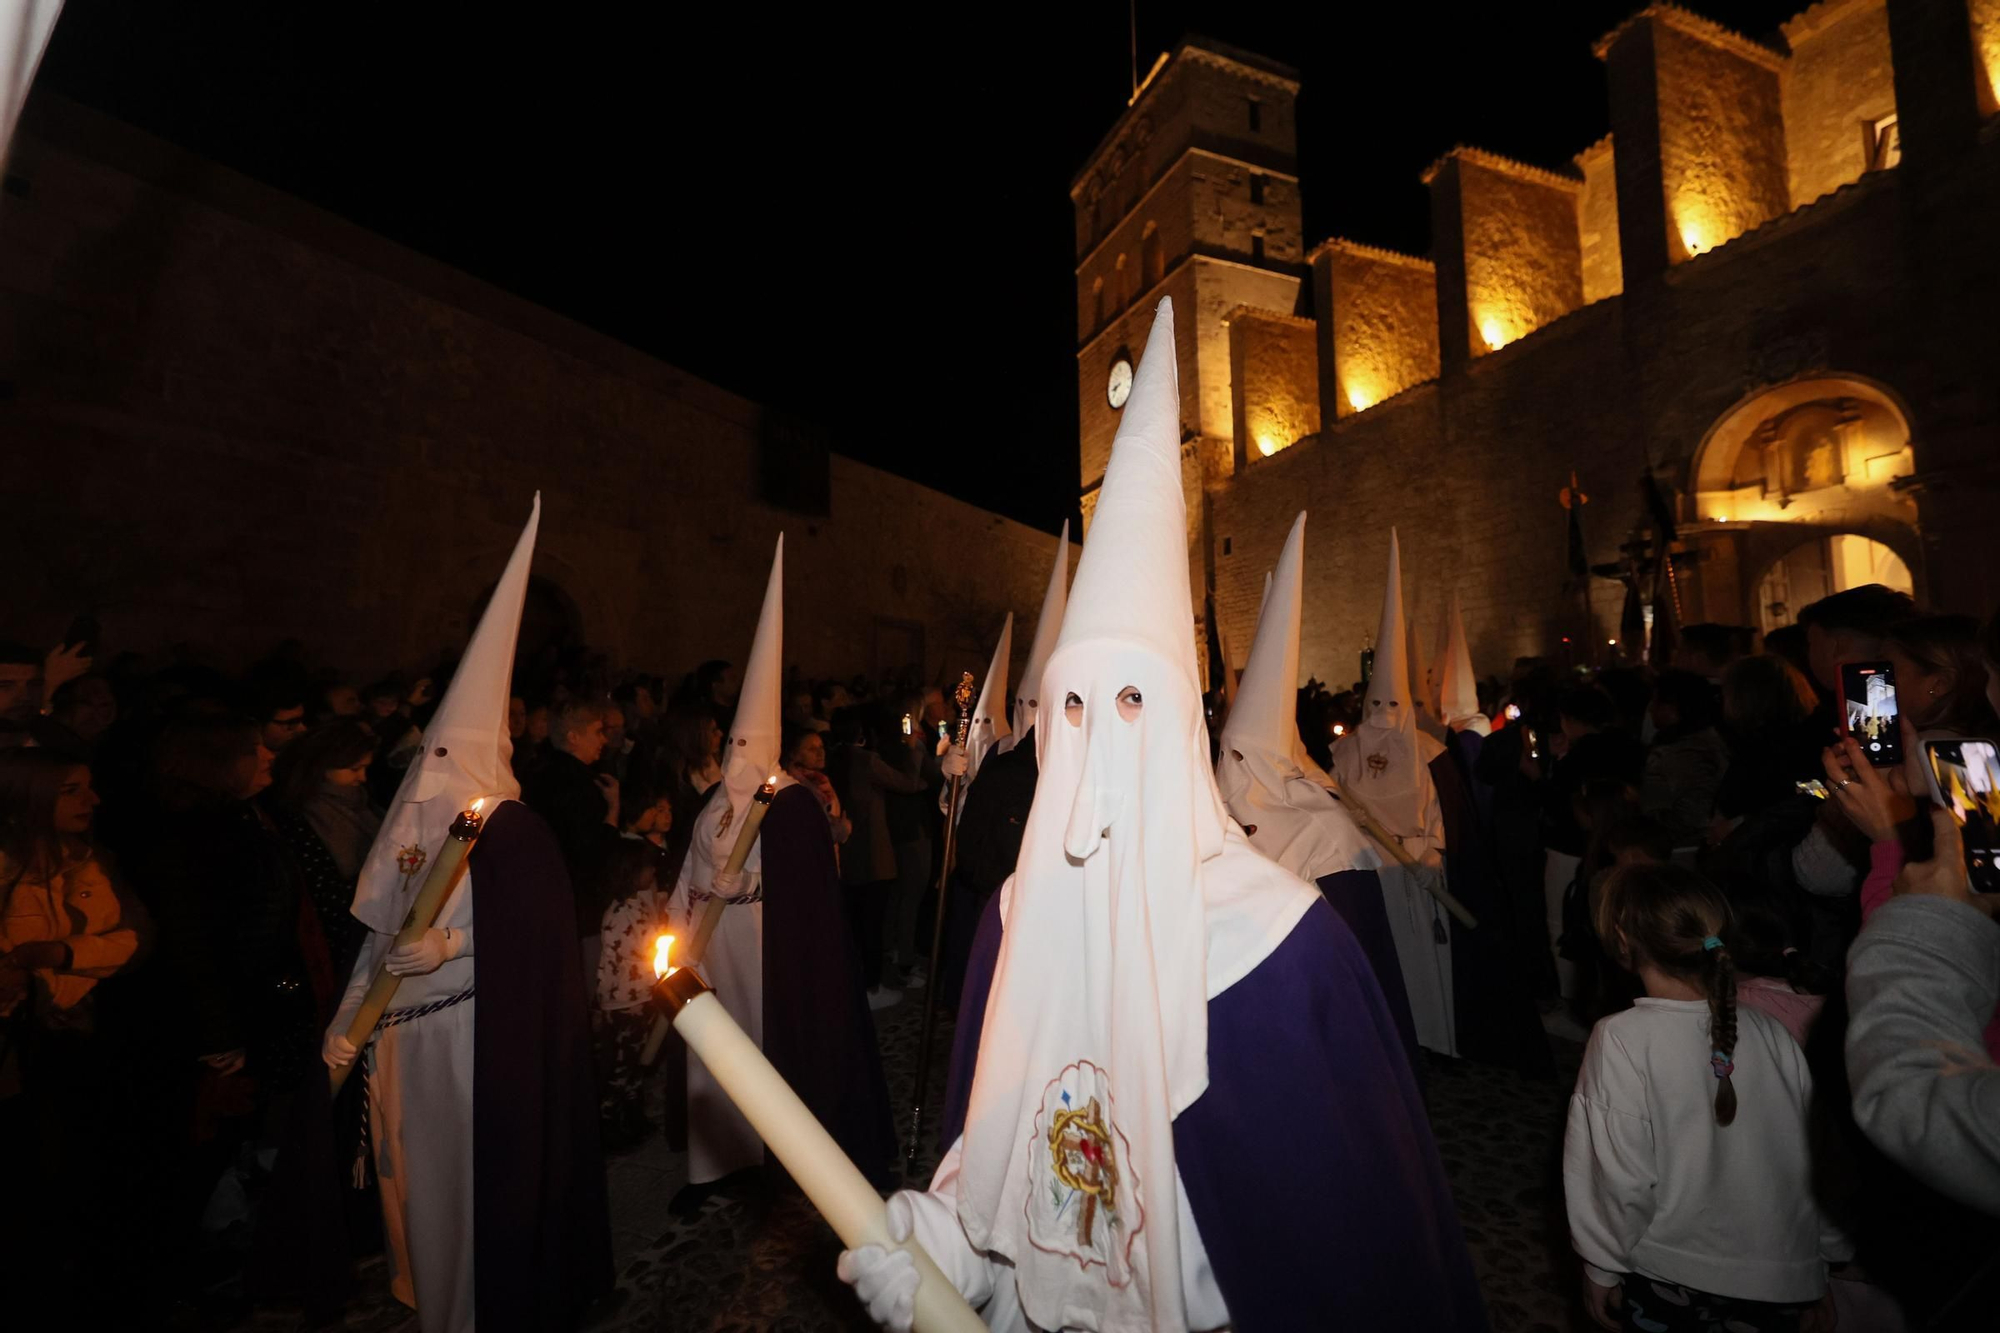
(989, 715)
(25, 26)
(1027, 695)
(1132, 904)
(1262, 769)
(751, 750)
(1459, 690)
(467, 754)
(1384, 761)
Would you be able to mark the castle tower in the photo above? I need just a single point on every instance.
(1194, 194)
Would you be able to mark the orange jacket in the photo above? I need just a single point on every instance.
(78, 906)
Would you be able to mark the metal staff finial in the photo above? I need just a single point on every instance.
(962, 696)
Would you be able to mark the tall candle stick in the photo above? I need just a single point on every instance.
(1390, 843)
(711, 911)
(962, 696)
(835, 1185)
(437, 886)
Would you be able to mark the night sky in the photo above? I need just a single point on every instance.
(859, 216)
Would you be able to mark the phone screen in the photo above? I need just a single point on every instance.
(944, 731)
(906, 724)
(1966, 776)
(1868, 710)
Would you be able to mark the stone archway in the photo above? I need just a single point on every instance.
(1796, 496)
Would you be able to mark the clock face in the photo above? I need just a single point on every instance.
(1119, 386)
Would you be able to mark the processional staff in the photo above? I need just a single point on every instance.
(962, 696)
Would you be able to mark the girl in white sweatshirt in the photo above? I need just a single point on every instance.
(1686, 1167)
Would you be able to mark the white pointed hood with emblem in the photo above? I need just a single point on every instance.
(467, 754)
(1263, 768)
(751, 753)
(1384, 762)
(1459, 690)
(1027, 695)
(1134, 902)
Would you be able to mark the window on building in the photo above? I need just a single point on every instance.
(1152, 258)
(1257, 245)
(1885, 143)
(1122, 289)
(1227, 543)
(1256, 116)
(1097, 303)
(1257, 184)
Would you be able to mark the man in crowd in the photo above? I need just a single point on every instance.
(581, 806)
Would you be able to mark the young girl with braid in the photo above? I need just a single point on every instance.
(1686, 1162)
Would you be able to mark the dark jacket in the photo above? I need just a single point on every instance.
(566, 795)
(864, 780)
(996, 814)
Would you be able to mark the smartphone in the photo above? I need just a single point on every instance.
(1513, 712)
(906, 724)
(1868, 711)
(944, 731)
(1965, 779)
(1811, 787)
(1534, 744)
(82, 634)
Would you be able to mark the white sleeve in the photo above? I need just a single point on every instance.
(1821, 869)
(1608, 1163)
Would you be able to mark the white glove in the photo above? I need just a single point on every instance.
(725, 884)
(337, 1050)
(886, 1280)
(955, 762)
(431, 951)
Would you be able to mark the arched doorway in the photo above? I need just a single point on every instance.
(1796, 497)
(1821, 566)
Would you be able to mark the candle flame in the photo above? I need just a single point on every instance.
(771, 781)
(662, 948)
(478, 805)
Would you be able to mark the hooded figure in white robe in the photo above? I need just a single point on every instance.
(1382, 768)
(1101, 1165)
(1026, 692)
(781, 961)
(468, 1216)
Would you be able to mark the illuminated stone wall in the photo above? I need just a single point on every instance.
(1838, 84)
(1378, 327)
(1509, 232)
(1275, 366)
(1985, 16)
(1597, 216)
(1723, 167)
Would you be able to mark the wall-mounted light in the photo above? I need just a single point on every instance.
(1494, 336)
(1266, 445)
(1360, 399)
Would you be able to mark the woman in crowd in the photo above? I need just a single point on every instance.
(689, 768)
(64, 927)
(321, 806)
(1767, 706)
(634, 917)
(804, 757)
(864, 780)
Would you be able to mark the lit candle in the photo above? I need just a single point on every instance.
(424, 909)
(834, 1184)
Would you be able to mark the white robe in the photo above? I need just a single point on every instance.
(420, 1124)
(1416, 918)
(720, 1140)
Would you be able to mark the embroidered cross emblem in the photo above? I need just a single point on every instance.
(1080, 1150)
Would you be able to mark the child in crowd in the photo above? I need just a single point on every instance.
(634, 918)
(1686, 1166)
(1774, 975)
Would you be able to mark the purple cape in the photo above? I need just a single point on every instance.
(1308, 1163)
(818, 1032)
(1357, 896)
(543, 1230)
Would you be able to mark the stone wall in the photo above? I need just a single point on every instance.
(1509, 233)
(232, 419)
(1597, 222)
(1378, 326)
(1838, 83)
(1275, 367)
(1985, 17)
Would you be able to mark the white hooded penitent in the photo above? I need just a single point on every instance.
(1459, 694)
(1262, 770)
(1027, 695)
(467, 752)
(1384, 761)
(25, 26)
(751, 759)
(1132, 904)
(989, 715)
